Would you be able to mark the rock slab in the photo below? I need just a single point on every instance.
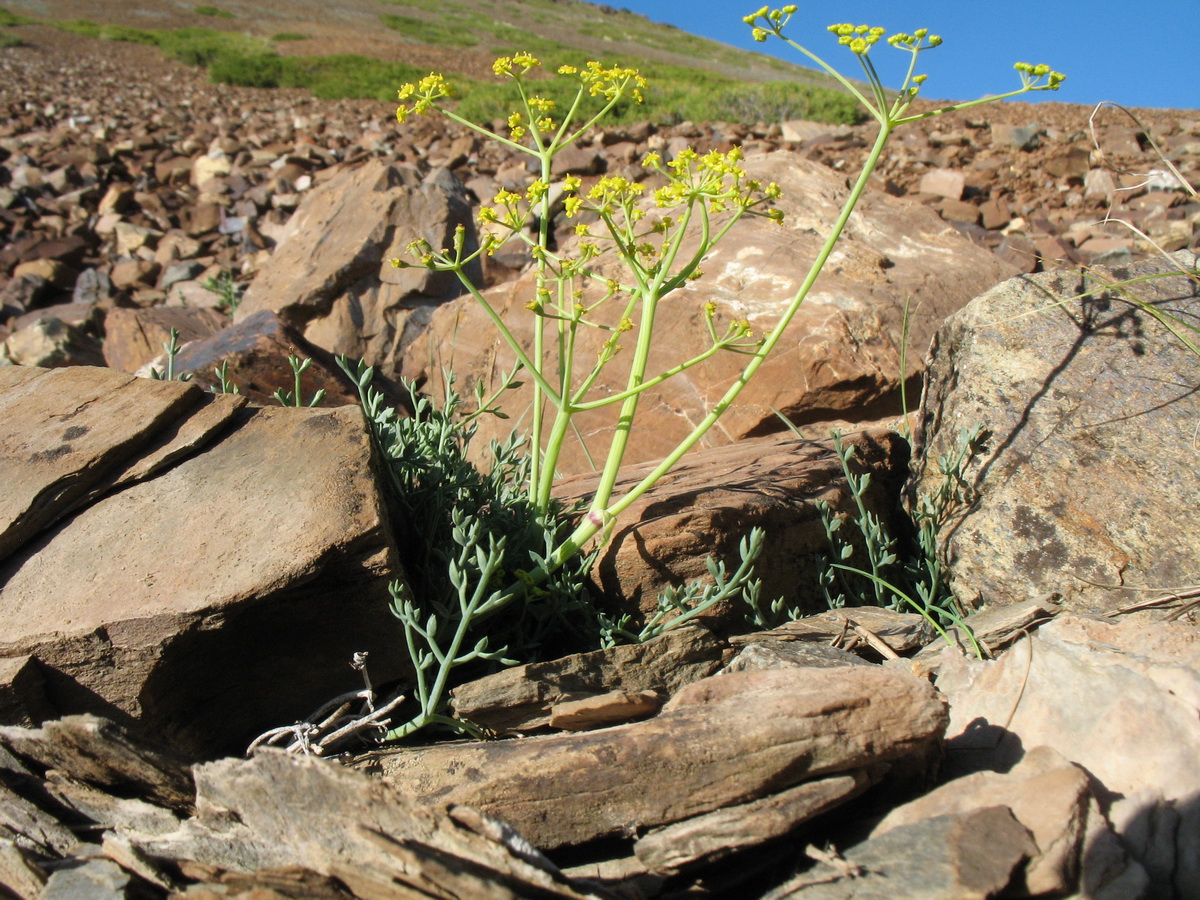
(222, 587)
(721, 741)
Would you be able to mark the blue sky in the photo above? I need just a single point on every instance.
(1143, 53)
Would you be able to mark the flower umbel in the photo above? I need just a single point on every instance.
(425, 93)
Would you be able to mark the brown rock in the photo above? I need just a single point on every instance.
(994, 213)
(275, 811)
(959, 211)
(603, 710)
(55, 272)
(943, 183)
(117, 199)
(133, 273)
(721, 741)
(1046, 793)
(1119, 698)
(331, 272)
(95, 751)
(23, 692)
(52, 343)
(900, 632)
(523, 698)
(710, 501)
(256, 350)
(576, 160)
(134, 337)
(201, 218)
(705, 839)
(968, 856)
(87, 427)
(286, 529)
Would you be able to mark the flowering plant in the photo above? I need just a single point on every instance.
(704, 194)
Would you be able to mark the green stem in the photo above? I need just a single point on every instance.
(600, 515)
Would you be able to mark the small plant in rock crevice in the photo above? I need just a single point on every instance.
(226, 288)
(484, 561)
(902, 572)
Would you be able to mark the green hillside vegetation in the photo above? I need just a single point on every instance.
(677, 92)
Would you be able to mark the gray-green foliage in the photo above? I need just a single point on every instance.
(469, 536)
(294, 397)
(171, 348)
(226, 288)
(681, 604)
(899, 574)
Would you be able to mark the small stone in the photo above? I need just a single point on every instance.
(948, 183)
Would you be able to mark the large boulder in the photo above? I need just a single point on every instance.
(1088, 475)
(331, 276)
(201, 566)
(839, 359)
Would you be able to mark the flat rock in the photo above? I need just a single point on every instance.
(708, 838)
(101, 753)
(64, 431)
(223, 564)
(277, 811)
(255, 353)
(770, 654)
(709, 502)
(899, 631)
(51, 342)
(522, 698)
(722, 741)
(331, 274)
(1046, 793)
(134, 337)
(1090, 411)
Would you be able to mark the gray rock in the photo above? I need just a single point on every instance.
(92, 879)
(791, 654)
(965, 856)
(1090, 409)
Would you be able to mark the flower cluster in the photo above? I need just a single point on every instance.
(1031, 75)
(914, 41)
(714, 177)
(773, 20)
(608, 82)
(859, 38)
(429, 89)
(506, 65)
